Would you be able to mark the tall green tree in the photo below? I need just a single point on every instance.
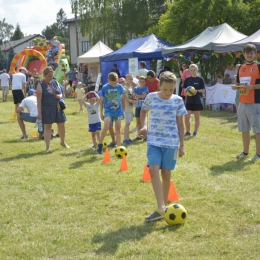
(58, 29)
(18, 34)
(5, 31)
(60, 18)
(116, 21)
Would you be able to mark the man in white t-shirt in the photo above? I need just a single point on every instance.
(5, 83)
(142, 71)
(19, 86)
(30, 103)
(231, 71)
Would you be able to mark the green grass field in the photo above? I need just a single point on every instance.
(68, 205)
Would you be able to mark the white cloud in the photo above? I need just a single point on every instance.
(33, 15)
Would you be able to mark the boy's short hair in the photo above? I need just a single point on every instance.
(168, 77)
(112, 76)
(250, 47)
(143, 64)
(151, 73)
(194, 66)
(129, 75)
(142, 78)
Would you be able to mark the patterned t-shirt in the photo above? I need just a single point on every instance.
(129, 95)
(163, 128)
(93, 114)
(112, 100)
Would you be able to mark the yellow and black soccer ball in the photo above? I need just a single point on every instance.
(175, 214)
(120, 151)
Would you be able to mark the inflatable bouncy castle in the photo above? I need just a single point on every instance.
(43, 53)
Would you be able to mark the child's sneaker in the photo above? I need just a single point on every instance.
(195, 134)
(241, 155)
(187, 134)
(24, 138)
(255, 158)
(154, 216)
(112, 145)
(129, 140)
(126, 142)
(100, 148)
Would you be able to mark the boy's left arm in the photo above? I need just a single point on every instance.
(181, 135)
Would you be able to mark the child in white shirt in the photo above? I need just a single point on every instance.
(94, 121)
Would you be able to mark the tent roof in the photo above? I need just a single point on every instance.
(146, 47)
(207, 39)
(94, 53)
(239, 45)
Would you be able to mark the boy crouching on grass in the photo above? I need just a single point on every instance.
(113, 104)
(165, 138)
(94, 121)
(129, 104)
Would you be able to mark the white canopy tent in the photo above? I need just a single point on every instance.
(91, 59)
(207, 39)
(92, 55)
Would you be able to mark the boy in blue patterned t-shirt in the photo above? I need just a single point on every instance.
(165, 137)
(113, 103)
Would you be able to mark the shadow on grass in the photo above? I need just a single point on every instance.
(231, 166)
(7, 122)
(94, 156)
(112, 240)
(26, 155)
(30, 140)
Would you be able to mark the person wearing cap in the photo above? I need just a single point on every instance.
(5, 83)
(121, 81)
(19, 86)
(94, 120)
(30, 103)
(79, 93)
(116, 70)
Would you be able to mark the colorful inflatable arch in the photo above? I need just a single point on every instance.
(26, 56)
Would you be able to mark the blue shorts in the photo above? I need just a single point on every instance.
(137, 111)
(166, 158)
(27, 118)
(94, 127)
(114, 118)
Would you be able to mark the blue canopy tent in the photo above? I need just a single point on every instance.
(145, 48)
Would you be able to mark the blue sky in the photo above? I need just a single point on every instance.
(33, 15)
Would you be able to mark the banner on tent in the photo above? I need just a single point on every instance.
(98, 82)
(220, 93)
(133, 66)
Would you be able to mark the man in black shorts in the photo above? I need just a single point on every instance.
(19, 86)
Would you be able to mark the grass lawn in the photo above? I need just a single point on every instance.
(68, 205)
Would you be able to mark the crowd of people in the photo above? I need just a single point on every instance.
(169, 114)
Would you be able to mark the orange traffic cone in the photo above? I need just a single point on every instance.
(172, 195)
(106, 157)
(146, 174)
(124, 166)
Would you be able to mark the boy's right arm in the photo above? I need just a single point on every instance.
(143, 119)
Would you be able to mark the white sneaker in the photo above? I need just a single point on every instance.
(241, 155)
(255, 158)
